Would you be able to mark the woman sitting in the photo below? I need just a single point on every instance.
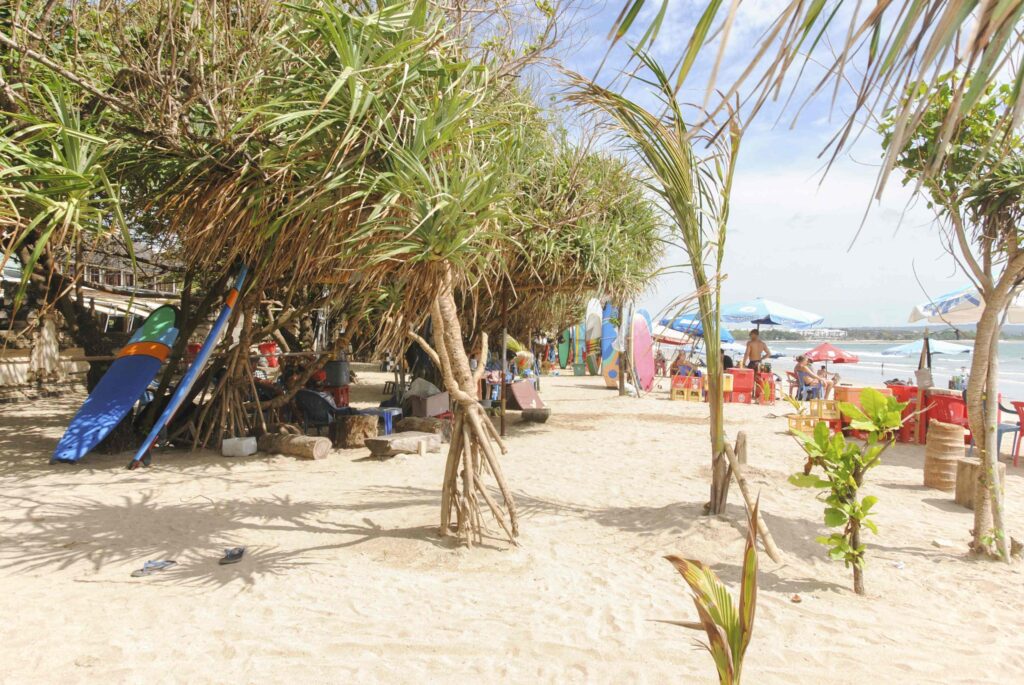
(809, 379)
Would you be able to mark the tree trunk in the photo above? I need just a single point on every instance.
(858, 569)
(982, 410)
(471, 453)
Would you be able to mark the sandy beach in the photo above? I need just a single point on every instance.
(346, 580)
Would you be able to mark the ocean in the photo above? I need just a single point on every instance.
(875, 368)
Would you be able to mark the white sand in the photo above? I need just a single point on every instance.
(345, 579)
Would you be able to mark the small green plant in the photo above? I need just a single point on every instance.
(844, 465)
(727, 626)
(797, 405)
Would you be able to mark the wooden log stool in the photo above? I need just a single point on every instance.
(967, 480)
(945, 447)
(352, 430)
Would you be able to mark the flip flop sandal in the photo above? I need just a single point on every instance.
(232, 556)
(151, 567)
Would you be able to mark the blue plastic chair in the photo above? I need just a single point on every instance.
(1001, 430)
(808, 392)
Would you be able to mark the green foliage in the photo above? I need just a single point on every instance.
(843, 465)
(728, 627)
(970, 153)
(53, 180)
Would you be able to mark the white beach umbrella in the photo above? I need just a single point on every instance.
(962, 306)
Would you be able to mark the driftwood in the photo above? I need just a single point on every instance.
(409, 442)
(426, 424)
(302, 446)
(736, 468)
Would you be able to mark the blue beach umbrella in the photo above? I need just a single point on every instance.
(934, 347)
(691, 325)
(769, 313)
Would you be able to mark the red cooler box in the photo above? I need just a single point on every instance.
(742, 384)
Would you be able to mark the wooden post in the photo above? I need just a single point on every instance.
(504, 353)
(923, 362)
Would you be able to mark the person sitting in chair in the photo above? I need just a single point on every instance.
(660, 363)
(809, 378)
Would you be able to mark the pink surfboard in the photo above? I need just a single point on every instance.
(643, 353)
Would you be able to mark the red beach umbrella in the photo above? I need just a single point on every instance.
(827, 352)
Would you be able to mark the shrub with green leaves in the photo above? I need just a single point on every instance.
(843, 465)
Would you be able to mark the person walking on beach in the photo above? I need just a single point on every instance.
(756, 351)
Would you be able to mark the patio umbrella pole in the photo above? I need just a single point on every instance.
(923, 362)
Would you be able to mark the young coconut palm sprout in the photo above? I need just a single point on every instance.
(694, 192)
(728, 627)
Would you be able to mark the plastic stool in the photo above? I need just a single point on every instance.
(386, 413)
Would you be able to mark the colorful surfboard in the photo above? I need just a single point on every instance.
(563, 349)
(593, 337)
(642, 352)
(189, 379)
(135, 367)
(609, 339)
(580, 345)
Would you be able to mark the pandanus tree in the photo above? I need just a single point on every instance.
(359, 159)
(694, 193)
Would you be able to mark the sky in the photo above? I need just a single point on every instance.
(791, 234)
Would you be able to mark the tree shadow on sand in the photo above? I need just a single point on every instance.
(56, 535)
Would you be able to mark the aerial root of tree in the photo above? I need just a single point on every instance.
(471, 454)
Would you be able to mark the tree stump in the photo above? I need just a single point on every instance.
(302, 446)
(352, 431)
(944, 449)
(967, 480)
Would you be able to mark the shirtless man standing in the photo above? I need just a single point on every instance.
(756, 351)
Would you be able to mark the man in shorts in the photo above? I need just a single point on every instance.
(756, 351)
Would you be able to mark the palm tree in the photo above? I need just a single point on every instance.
(881, 48)
(695, 194)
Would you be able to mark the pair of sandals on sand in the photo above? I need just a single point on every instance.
(231, 556)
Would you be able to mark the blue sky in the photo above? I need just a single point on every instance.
(791, 228)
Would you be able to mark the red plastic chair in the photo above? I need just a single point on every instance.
(1019, 406)
(794, 383)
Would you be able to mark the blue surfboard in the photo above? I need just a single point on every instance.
(609, 355)
(189, 379)
(122, 385)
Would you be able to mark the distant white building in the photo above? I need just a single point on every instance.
(822, 333)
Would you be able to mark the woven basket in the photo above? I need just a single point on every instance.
(944, 448)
